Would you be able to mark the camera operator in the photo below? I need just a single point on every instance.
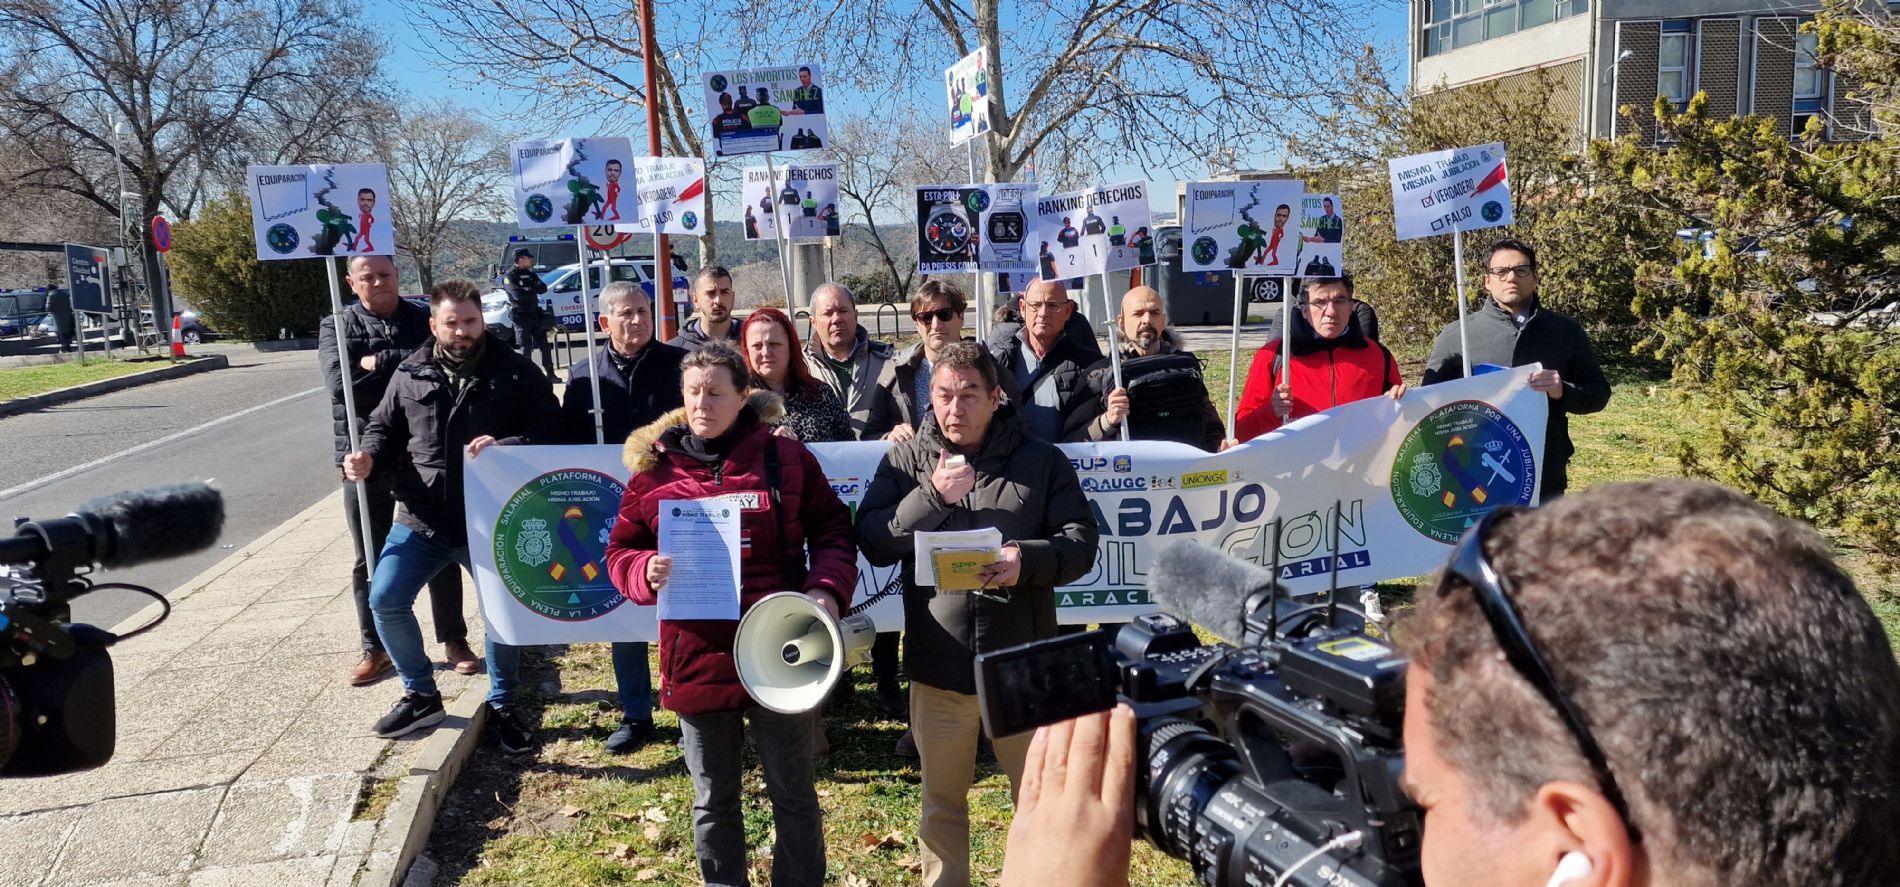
(1734, 721)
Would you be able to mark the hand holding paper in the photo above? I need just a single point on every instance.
(1007, 569)
(701, 537)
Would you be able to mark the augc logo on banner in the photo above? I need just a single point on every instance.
(1464, 459)
(551, 544)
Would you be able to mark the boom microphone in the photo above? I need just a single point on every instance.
(155, 524)
(1195, 583)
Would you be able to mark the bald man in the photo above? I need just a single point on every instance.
(1162, 395)
(1047, 365)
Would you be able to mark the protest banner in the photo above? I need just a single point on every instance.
(669, 197)
(967, 228)
(767, 109)
(306, 211)
(803, 198)
(1442, 192)
(1454, 191)
(326, 210)
(564, 183)
(1400, 481)
(1245, 227)
(1322, 236)
(967, 85)
(1102, 229)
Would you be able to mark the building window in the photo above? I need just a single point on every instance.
(1672, 68)
(1455, 24)
(1808, 76)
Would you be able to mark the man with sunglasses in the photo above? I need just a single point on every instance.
(937, 309)
(1512, 329)
(1650, 683)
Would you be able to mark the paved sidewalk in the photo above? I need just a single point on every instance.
(243, 753)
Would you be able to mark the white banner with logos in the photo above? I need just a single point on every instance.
(1463, 189)
(1401, 481)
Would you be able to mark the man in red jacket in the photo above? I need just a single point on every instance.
(1333, 363)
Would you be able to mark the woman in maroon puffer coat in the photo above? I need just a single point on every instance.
(716, 447)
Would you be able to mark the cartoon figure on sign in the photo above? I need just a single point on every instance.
(583, 195)
(1280, 216)
(1253, 238)
(365, 204)
(336, 229)
(612, 204)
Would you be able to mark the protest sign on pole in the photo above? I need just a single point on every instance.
(1244, 227)
(967, 85)
(1451, 192)
(1462, 189)
(669, 197)
(972, 228)
(1083, 233)
(325, 211)
(563, 183)
(767, 109)
(87, 281)
(802, 199)
(1399, 481)
(1322, 236)
(299, 212)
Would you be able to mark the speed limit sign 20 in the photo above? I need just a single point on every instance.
(604, 237)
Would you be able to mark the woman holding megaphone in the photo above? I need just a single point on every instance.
(720, 445)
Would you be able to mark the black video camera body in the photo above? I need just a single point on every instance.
(1276, 763)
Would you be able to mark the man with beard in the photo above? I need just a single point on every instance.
(460, 393)
(713, 297)
(1162, 396)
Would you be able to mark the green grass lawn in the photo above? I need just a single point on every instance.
(575, 815)
(24, 381)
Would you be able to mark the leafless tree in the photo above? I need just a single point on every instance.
(880, 162)
(200, 87)
(445, 165)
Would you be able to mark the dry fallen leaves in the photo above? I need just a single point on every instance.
(571, 811)
(652, 832)
(646, 874)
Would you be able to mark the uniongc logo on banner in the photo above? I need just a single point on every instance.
(551, 544)
(1464, 459)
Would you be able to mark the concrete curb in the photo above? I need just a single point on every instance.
(268, 345)
(34, 402)
(410, 819)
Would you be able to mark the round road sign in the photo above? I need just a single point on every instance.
(161, 234)
(604, 237)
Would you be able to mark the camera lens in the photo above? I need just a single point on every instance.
(1183, 767)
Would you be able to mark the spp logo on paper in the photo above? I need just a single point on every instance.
(1462, 460)
(551, 544)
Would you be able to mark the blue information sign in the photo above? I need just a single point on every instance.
(87, 278)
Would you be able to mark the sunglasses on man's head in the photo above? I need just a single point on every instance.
(1469, 565)
(941, 315)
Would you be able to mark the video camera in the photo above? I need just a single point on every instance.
(1274, 762)
(56, 691)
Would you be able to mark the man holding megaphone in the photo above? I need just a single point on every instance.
(720, 446)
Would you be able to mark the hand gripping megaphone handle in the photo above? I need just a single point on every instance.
(791, 652)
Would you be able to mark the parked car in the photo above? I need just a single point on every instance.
(563, 298)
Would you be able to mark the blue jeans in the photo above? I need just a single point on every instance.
(634, 680)
(409, 560)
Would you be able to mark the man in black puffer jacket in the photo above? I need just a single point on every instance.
(461, 392)
(1049, 366)
(380, 328)
(1024, 488)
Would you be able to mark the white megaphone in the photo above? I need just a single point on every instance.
(791, 652)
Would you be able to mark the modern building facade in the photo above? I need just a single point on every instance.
(1603, 55)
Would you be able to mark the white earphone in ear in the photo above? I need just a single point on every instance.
(1575, 866)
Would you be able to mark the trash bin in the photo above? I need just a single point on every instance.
(1191, 298)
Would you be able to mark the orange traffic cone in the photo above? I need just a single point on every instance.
(178, 336)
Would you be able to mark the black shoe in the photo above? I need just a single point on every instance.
(631, 735)
(513, 736)
(892, 703)
(413, 712)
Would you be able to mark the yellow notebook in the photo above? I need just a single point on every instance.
(958, 568)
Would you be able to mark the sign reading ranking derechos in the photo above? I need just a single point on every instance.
(802, 198)
(1462, 189)
(305, 211)
(1102, 229)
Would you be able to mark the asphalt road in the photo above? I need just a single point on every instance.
(260, 429)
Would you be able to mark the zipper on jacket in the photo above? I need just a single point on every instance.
(1332, 373)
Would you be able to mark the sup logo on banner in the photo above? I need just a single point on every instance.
(551, 544)
(1463, 460)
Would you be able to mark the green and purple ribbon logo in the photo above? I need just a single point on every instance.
(551, 544)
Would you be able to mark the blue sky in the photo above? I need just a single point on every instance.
(414, 73)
